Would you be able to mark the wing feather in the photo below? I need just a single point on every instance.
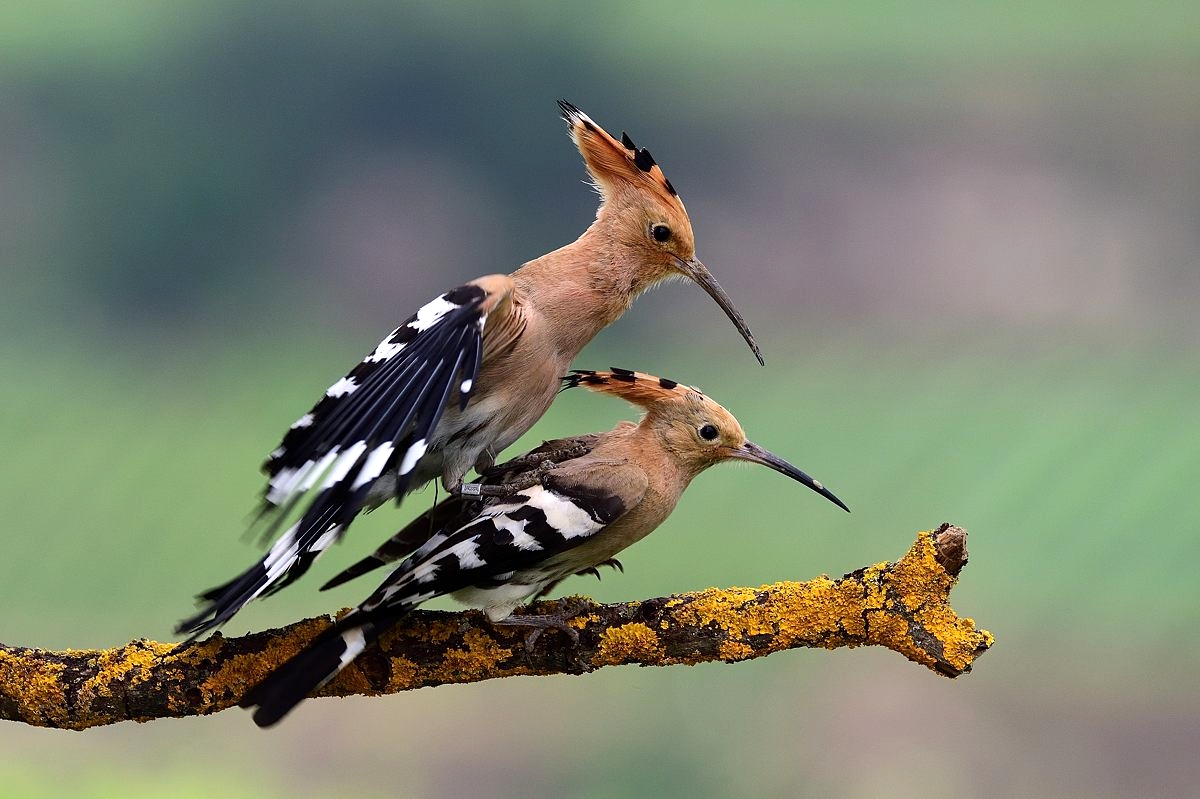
(379, 418)
(456, 511)
(514, 534)
(499, 541)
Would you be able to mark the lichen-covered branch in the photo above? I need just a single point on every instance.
(903, 606)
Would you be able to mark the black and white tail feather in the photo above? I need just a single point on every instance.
(497, 553)
(327, 655)
(376, 420)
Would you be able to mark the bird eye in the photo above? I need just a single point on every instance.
(708, 432)
(660, 233)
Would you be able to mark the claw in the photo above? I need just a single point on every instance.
(544, 460)
(540, 622)
(612, 563)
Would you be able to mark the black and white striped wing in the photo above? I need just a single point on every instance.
(507, 537)
(456, 511)
(514, 535)
(375, 420)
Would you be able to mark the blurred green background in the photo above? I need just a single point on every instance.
(966, 235)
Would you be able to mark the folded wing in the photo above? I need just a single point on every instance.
(502, 548)
(456, 511)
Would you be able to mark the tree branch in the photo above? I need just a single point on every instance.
(903, 606)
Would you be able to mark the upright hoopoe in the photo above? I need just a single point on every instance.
(471, 371)
(578, 503)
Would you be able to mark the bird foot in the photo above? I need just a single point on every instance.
(530, 478)
(543, 459)
(540, 622)
(612, 563)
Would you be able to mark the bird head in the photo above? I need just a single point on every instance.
(694, 429)
(641, 211)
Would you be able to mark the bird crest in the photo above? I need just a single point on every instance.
(611, 163)
(641, 389)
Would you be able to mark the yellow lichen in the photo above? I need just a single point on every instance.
(438, 632)
(124, 668)
(874, 606)
(39, 690)
(788, 612)
(629, 643)
(903, 606)
(405, 675)
(480, 658)
(239, 672)
(733, 651)
(917, 576)
(809, 612)
(582, 620)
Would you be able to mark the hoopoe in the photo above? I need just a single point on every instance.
(580, 502)
(471, 371)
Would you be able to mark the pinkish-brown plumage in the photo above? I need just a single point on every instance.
(470, 372)
(567, 508)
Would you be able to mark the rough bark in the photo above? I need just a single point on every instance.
(903, 605)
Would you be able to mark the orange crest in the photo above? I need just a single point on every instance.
(610, 161)
(639, 388)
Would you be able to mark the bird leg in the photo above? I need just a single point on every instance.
(481, 490)
(526, 480)
(532, 468)
(530, 459)
(540, 622)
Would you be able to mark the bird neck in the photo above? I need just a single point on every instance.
(667, 476)
(582, 288)
(674, 471)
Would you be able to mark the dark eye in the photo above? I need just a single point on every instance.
(708, 432)
(660, 232)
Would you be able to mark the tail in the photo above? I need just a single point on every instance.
(320, 662)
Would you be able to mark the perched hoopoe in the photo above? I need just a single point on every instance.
(471, 371)
(577, 503)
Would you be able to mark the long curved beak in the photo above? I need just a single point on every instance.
(699, 274)
(755, 454)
